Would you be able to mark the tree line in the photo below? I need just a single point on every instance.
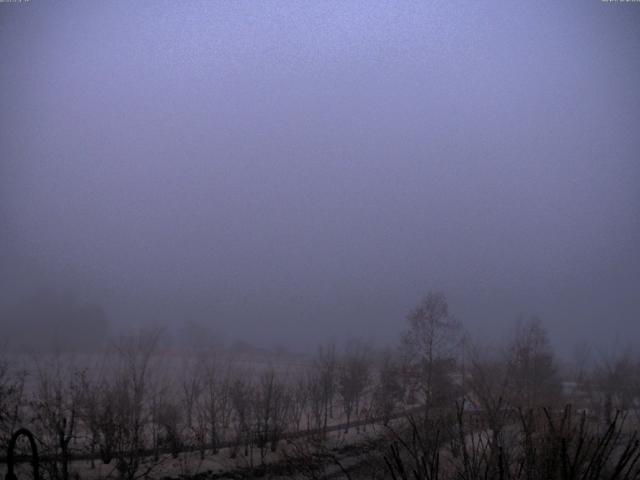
(131, 405)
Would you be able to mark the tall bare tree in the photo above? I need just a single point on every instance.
(430, 345)
(533, 374)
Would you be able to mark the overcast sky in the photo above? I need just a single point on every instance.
(290, 172)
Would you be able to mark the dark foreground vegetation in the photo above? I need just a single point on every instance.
(437, 407)
(536, 444)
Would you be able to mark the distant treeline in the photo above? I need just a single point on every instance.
(55, 321)
(49, 320)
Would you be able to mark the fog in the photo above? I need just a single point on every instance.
(290, 173)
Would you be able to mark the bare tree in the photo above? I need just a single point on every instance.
(430, 346)
(299, 400)
(353, 378)
(533, 375)
(316, 401)
(167, 415)
(90, 403)
(216, 405)
(12, 395)
(240, 395)
(614, 384)
(388, 390)
(488, 393)
(191, 385)
(271, 404)
(200, 421)
(56, 405)
(129, 411)
(325, 366)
